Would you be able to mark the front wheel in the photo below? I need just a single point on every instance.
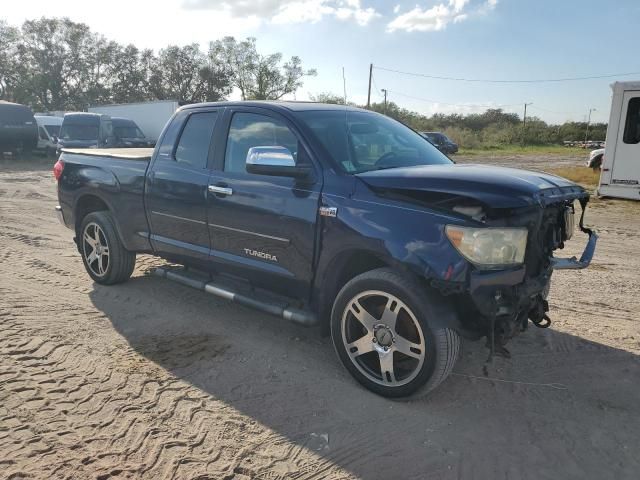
(103, 254)
(383, 328)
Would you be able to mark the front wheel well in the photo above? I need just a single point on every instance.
(343, 268)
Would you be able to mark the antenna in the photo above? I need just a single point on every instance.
(344, 86)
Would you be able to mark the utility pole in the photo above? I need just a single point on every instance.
(385, 100)
(370, 78)
(586, 135)
(524, 124)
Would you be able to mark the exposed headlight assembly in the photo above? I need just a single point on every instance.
(489, 247)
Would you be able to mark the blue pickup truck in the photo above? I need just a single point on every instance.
(331, 216)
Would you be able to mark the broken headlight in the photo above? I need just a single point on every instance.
(489, 247)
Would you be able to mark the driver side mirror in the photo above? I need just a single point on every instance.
(275, 161)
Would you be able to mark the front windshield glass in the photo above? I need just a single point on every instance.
(79, 132)
(362, 141)
(53, 130)
(129, 131)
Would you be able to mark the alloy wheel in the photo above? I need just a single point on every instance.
(383, 338)
(95, 249)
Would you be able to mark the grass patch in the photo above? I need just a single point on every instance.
(510, 150)
(582, 175)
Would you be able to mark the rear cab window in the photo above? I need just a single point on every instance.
(195, 140)
(187, 139)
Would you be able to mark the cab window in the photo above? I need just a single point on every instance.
(193, 147)
(249, 130)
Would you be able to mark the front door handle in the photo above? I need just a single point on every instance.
(220, 190)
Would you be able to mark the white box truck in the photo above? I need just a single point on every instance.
(620, 174)
(151, 117)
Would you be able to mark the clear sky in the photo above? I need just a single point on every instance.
(473, 39)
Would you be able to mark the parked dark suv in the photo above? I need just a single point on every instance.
(128, 134)
(86, 130)
(18, 129)
(441, 142)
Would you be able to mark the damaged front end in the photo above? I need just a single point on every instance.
(507, 299)
(506, 226)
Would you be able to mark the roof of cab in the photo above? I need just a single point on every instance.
(123, 121)
(277, 105)
(84, 114)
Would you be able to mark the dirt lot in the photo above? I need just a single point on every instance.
(153, 380)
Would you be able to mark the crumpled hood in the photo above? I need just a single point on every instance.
(496, 187)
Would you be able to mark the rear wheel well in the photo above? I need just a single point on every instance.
(86, 205)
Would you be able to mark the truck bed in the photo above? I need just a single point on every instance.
(121, 153)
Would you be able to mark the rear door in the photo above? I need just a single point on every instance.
(262, 227)
(176, 188)
(626, 165)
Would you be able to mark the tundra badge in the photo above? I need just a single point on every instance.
(256, 253)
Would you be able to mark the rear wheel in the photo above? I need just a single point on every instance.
(382, 329)
(103, 254)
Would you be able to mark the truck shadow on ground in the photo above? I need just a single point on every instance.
(562, 407)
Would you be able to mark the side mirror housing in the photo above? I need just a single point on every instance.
(275, 161)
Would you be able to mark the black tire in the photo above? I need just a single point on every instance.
(120, 263)
(417, 305)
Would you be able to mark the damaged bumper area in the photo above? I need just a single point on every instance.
(507, 299)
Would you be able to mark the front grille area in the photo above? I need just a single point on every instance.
(545, 236)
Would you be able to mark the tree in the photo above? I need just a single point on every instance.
(130, 75)
(188, 75)
(259, 77)
(8, 43)
(61, 64)
(327, 97)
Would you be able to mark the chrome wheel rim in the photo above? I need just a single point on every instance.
(95, 249)
(383, 338)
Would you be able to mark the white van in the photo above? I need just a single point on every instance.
(48, 133)
(620, 174)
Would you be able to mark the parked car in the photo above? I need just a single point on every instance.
(392, 248)
(128, 135)
(441, 141)
(86, 130)
(595, 159)
(48, 133)
(18, 130)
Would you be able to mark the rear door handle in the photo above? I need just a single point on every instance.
(220, 190)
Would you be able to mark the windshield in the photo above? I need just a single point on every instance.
(52, 130)
(361, 141)
(79, 132)
(128, 132)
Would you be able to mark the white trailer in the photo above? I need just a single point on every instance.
(151, 117)
(620, 174)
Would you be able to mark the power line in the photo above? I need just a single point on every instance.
(378, 90)
(453, 104)
(484, 80)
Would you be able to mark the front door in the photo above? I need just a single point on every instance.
(262, 227)
(176, 189)
(626, 165)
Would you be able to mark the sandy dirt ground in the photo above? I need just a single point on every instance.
(151, 379)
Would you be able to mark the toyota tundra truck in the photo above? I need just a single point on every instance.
(331, 216)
